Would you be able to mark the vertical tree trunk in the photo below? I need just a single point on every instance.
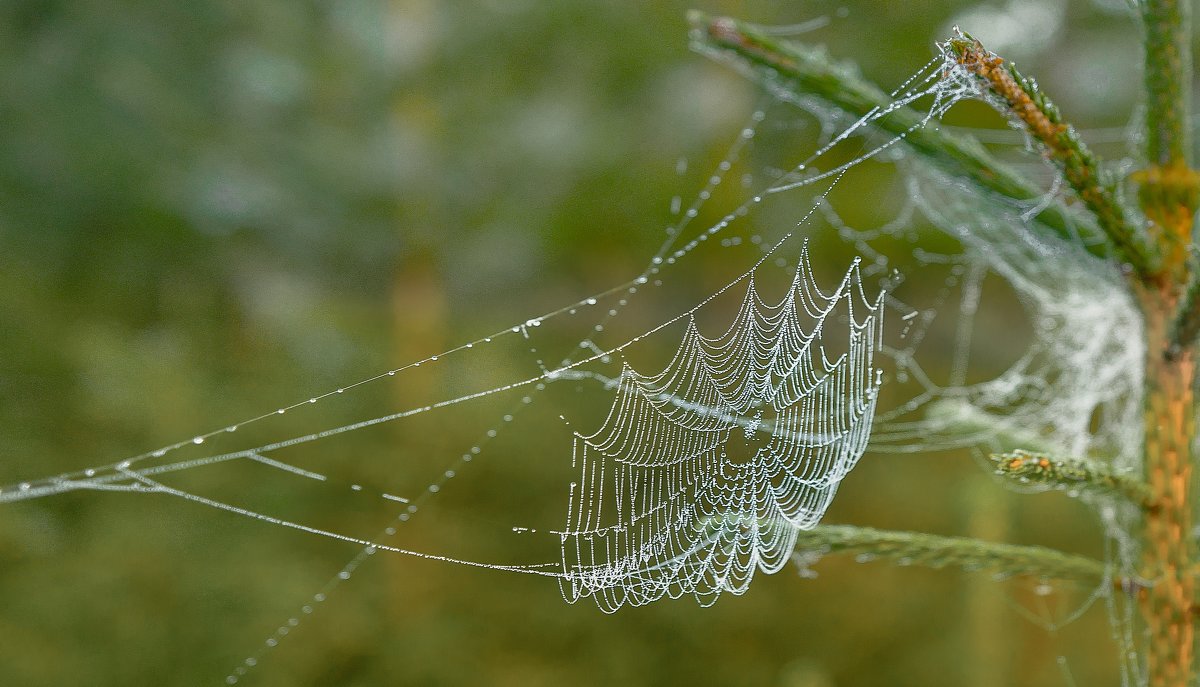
(1167, 561)
(1168, 195)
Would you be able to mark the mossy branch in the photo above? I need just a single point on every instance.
(1070, 473)
(806, 71)
(1022, 98)
(934, 551)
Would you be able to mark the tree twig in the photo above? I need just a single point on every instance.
(1022, 98)
(1187, 322)
(806, 71)
(1070, 473)
(935, 551)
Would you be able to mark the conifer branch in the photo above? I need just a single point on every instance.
(934, 551)
(1187, 322)
(1022, 98)
(801, 70)
(1070, 473)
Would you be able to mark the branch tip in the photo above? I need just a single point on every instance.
(1021, 98)
(936, 551)
(1077, 474)
(795, 70)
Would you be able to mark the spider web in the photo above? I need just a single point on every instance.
(700, 474)
(822, 403)
(703, 472)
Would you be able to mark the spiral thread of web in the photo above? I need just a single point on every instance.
(662, 508)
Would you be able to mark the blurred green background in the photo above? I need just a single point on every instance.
(210, 209)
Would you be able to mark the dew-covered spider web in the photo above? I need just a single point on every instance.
(711, 405)
(703, 472)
